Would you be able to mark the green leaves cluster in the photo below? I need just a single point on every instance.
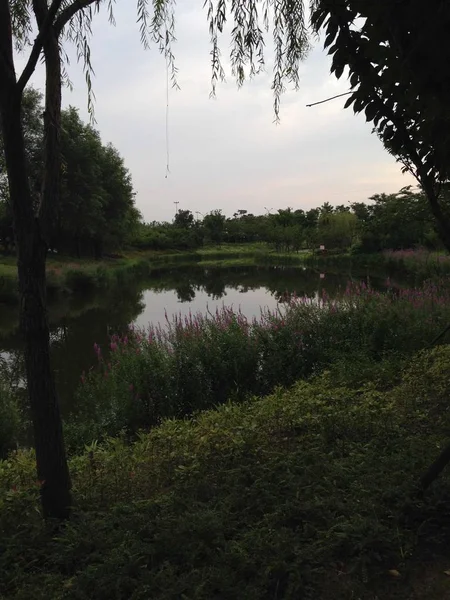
(395, 55)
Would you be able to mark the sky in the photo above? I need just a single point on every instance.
(224, 153)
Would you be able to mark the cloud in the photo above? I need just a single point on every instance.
(225, 153)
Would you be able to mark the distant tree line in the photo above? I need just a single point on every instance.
(95, 211)
(386, 221)
(96, 214)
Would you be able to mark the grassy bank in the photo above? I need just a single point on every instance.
(68, 275)
(202, 361)
(307, 493)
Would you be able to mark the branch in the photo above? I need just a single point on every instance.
(6, 47)
(37, 46)
(71, 10)
(328, 99)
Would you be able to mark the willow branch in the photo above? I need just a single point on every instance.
(71, 10)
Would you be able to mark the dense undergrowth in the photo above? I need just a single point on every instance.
(202, 361)
(307, 493)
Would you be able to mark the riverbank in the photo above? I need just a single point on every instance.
(66, 275)
(310, 492)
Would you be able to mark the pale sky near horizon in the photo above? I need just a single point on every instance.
(224, 153)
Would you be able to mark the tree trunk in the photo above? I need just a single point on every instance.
(435, 469)
(51, 459)
(442, 220)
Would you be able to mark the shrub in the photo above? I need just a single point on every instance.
(202, 361)
(306, 493)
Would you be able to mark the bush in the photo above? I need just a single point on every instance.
(307, 493)
(204, 361)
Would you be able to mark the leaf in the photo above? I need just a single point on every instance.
(349, 101)
(447, 572)
(371, 111)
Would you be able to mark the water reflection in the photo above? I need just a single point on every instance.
(77, 323)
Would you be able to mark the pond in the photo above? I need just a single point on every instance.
(77, 323)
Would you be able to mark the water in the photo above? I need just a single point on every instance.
(77, 323)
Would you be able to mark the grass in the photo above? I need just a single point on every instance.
(307, 493)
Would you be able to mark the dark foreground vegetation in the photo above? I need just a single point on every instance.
(301, 480)
(310, 492)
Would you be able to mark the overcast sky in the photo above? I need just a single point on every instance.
(225, 153)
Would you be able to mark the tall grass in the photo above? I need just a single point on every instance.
(201, 361)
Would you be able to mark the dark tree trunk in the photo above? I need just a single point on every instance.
(435, 469)
(31, 254)
(442, 219)
(51, 459)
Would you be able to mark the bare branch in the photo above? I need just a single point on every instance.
(37, 46)
(328, 99)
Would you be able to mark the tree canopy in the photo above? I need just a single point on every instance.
(396, 55)
(95, 210)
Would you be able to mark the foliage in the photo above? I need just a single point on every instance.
(214, 226)
(205, 360)
(394, 54)
(395, 221)
(95, 210)
(306, 493)
(337, 230)
(386, 222)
